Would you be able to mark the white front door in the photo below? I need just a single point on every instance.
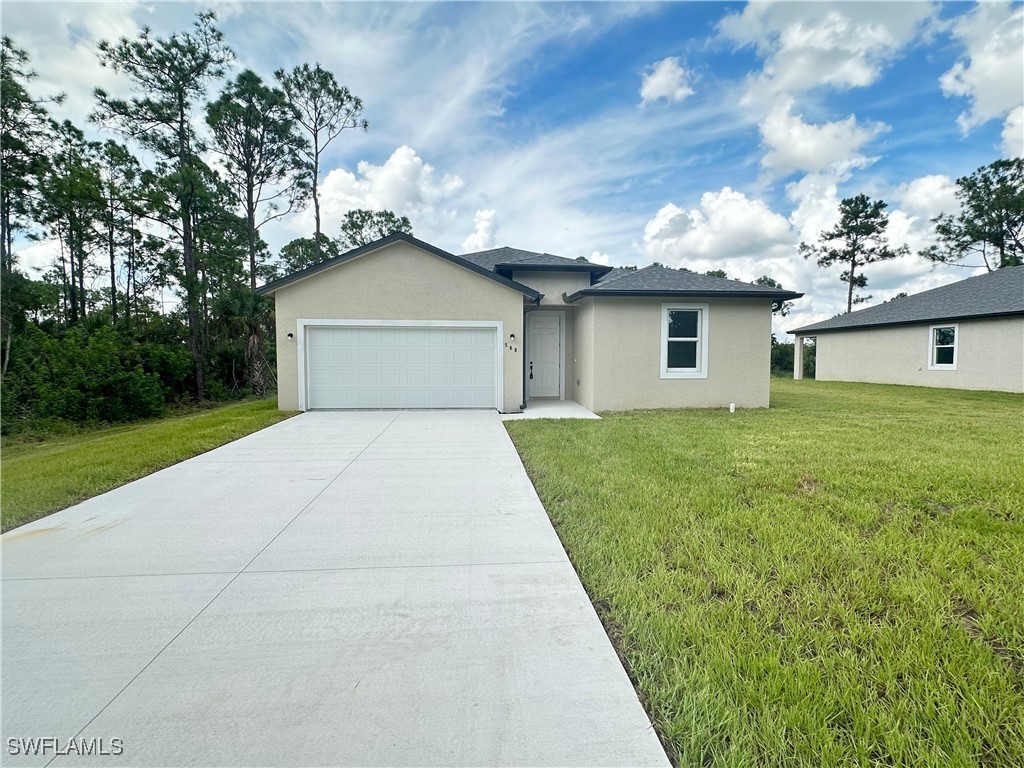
(544, 354)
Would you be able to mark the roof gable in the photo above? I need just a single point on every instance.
(396, 237)
(996, 293)
(664, 281)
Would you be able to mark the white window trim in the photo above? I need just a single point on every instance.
(702, 342)
(932, 365)
(304, 324)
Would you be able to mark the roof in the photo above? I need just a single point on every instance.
(996, 293)
(664, 281)
(396, 237)
(505, 259)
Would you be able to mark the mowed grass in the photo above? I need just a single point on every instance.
(41, 478)
(838, 580)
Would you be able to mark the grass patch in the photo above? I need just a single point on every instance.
(44, 476)
(838, 580)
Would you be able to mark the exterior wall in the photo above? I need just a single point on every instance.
(553, 284)
(990, 355)
(397, 282)
(627, 356)
(582, 369)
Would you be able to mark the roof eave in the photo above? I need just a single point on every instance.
(810, 330)
(785, 296)
(594, 269)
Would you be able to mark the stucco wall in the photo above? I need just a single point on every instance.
(990, 355)
(553, 284)
(397, 282)
(582, 369)
(627, 356)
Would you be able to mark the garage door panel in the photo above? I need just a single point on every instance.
(395, 367)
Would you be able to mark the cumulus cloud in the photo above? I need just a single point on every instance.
(404, 183)
(485, 229)
(727, 224)
(991, 73)
(793, 144)
(665, 80)
(600, 258)
(1013, 134)
(807, 45)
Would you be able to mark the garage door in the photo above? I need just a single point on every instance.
(406, 367)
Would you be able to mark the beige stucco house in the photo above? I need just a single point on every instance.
(400, 323)
(968, 335)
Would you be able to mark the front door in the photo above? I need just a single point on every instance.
(544, 354)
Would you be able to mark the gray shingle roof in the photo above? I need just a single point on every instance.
(663, 281)
(996, 293)
(514, 256)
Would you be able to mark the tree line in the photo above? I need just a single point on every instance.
(152, 295)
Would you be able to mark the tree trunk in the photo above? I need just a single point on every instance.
(72, 279)
(250, 222)
(316, 195)
(849, 293)
(188, 256)
(113, 267)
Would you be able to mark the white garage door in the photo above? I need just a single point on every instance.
(389, 367)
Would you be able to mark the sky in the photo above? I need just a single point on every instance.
(701, 135)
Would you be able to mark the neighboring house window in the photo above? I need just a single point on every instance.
(942, 340)
(684, 341)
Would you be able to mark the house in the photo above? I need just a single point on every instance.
(400, 323)
(968, 335)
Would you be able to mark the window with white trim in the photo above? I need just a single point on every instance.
(942, 342)
(684, 337)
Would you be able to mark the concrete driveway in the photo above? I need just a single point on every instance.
(369, 588)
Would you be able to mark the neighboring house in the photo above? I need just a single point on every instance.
(968, 335)
(400, 323)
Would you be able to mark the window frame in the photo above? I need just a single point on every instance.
(932, 347)
(703, 324)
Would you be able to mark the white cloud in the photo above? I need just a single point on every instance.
(1013, 134)
(991, 74)
(793, 144)
(61, 41)
(404, 184)
(485, 229)
(665, 80)
(928, 196)
(727, 224)
(807, 45)
(600, 258)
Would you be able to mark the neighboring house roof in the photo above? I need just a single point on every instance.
(302, 274)
(663, 281)
(506, 259)
(993, 294)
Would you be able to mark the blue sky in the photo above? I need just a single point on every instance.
(706, 135)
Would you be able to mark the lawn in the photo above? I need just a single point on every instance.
(40, 478)
(838, 580)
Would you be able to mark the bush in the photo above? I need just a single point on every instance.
(86, 376)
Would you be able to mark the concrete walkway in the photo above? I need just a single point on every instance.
(340, 589)
(552, 409)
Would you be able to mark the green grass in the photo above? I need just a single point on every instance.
(42, 477)
(838, 580)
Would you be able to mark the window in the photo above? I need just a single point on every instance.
(942, 347)
(684, 334)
